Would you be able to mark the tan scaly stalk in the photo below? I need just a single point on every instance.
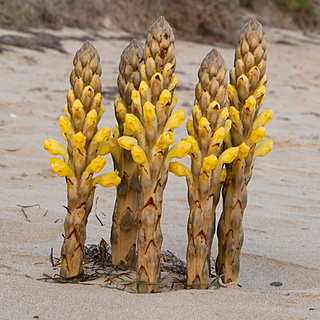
(206, 134)
(246, 94)
(83, 112)
(152, 125)
(125, 216)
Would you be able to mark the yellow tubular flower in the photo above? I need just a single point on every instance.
(194, 144)
(101, 110)
(121, 110)
(209, 163)
(132, 124)
(96, 165)
(263, 148)
(174, 101)
(227, 126)
(232, 93)
(165, 140)
(179, 169)
(91, 117)
(107, 180)
(224, 112)
(228, 155)
(259, 92)
(115, 132)
(138, 155)
(251, 103)
(196, 112)
(165, 98)
(61, 168)
(66, 126)
(179, 150)
(204, 124)
(136, 101)
(175, 120)
(102, 135)
(66, 112)
(219, 134)
(234, 115)
(79, 140)
(243, 151)
(149, 110)
(77, 109)
(56, 148)
(174, 82)
(223, 175)
(145, 90)
(190, 127)
(257, 135)
(263, 118)
(105, 148)
(127, 143)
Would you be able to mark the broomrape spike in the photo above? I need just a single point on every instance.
(127, 108)
(153, 103)
(246, 94)
(79, 128)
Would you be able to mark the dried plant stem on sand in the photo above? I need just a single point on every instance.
(125, 216)
(83, 112)
(246, 94)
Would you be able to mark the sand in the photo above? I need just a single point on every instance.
(282, 219)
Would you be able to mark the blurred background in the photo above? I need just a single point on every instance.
(207, 21)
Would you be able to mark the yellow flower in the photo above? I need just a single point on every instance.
(234, 115)
(179, 150)
(165, 140)
(263, 118)
(223, 175)
(96, 165)
(194, 144)
(224, 112)
(204, 124)
(115, 132)
(107, 180)
(263, 148)
(209, 163)
(227, 126)
(149, 110)
(61, 168)
(251, 103)
(175, 120)
(243, 150)
(232, 92)
(77, 108)
(101, 110)
(56, 148)
(229, 155)
(257, 135)
(190, 127)
(66, 112)
(165, 97)
(138, 155)
(91, 117)
(102, 135)
(174, 81)
(66, 126)
(145, 90)
(132, 124)
(136, 101)
(79, 140)
(219, 134)
(196, 112)
(127, 143)
(105, 148)
(179, 169)
(121, 110)
(174, 101)
(259, 92)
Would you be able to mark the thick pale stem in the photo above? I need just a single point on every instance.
(150, 241)
(230, 230)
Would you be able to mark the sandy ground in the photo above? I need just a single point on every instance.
(282, 220)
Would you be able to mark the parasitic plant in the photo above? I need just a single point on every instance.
(82, 157)
(246, 94)
(148, 135)
(206, 135)
(125, 216)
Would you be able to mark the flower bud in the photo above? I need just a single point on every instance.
(138, 155)
(79, 140)
(196, 112)
(243, 150)
(175, 120)
(251, 103)
(66, 126)
(136, 100)
(204, 124)
(115, 132)
(234, 115)
(127, 143)
(105, 148)
(56, 148)
(165, 97)
(96, 165)
(219, 135)
(229, 155)
(263, 148)
(257, 135)
(179, 150)
(66, 112)
(107, 180)
(149, 110)
(263, 118)
(102, 135)
(190, 127)
(227, 126)
(179, 169)
(132, 124)
(145, 90)
(61, 168)
(165, 140)
(194, 144)
(209, 163)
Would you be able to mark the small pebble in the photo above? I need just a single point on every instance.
(276, 284)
